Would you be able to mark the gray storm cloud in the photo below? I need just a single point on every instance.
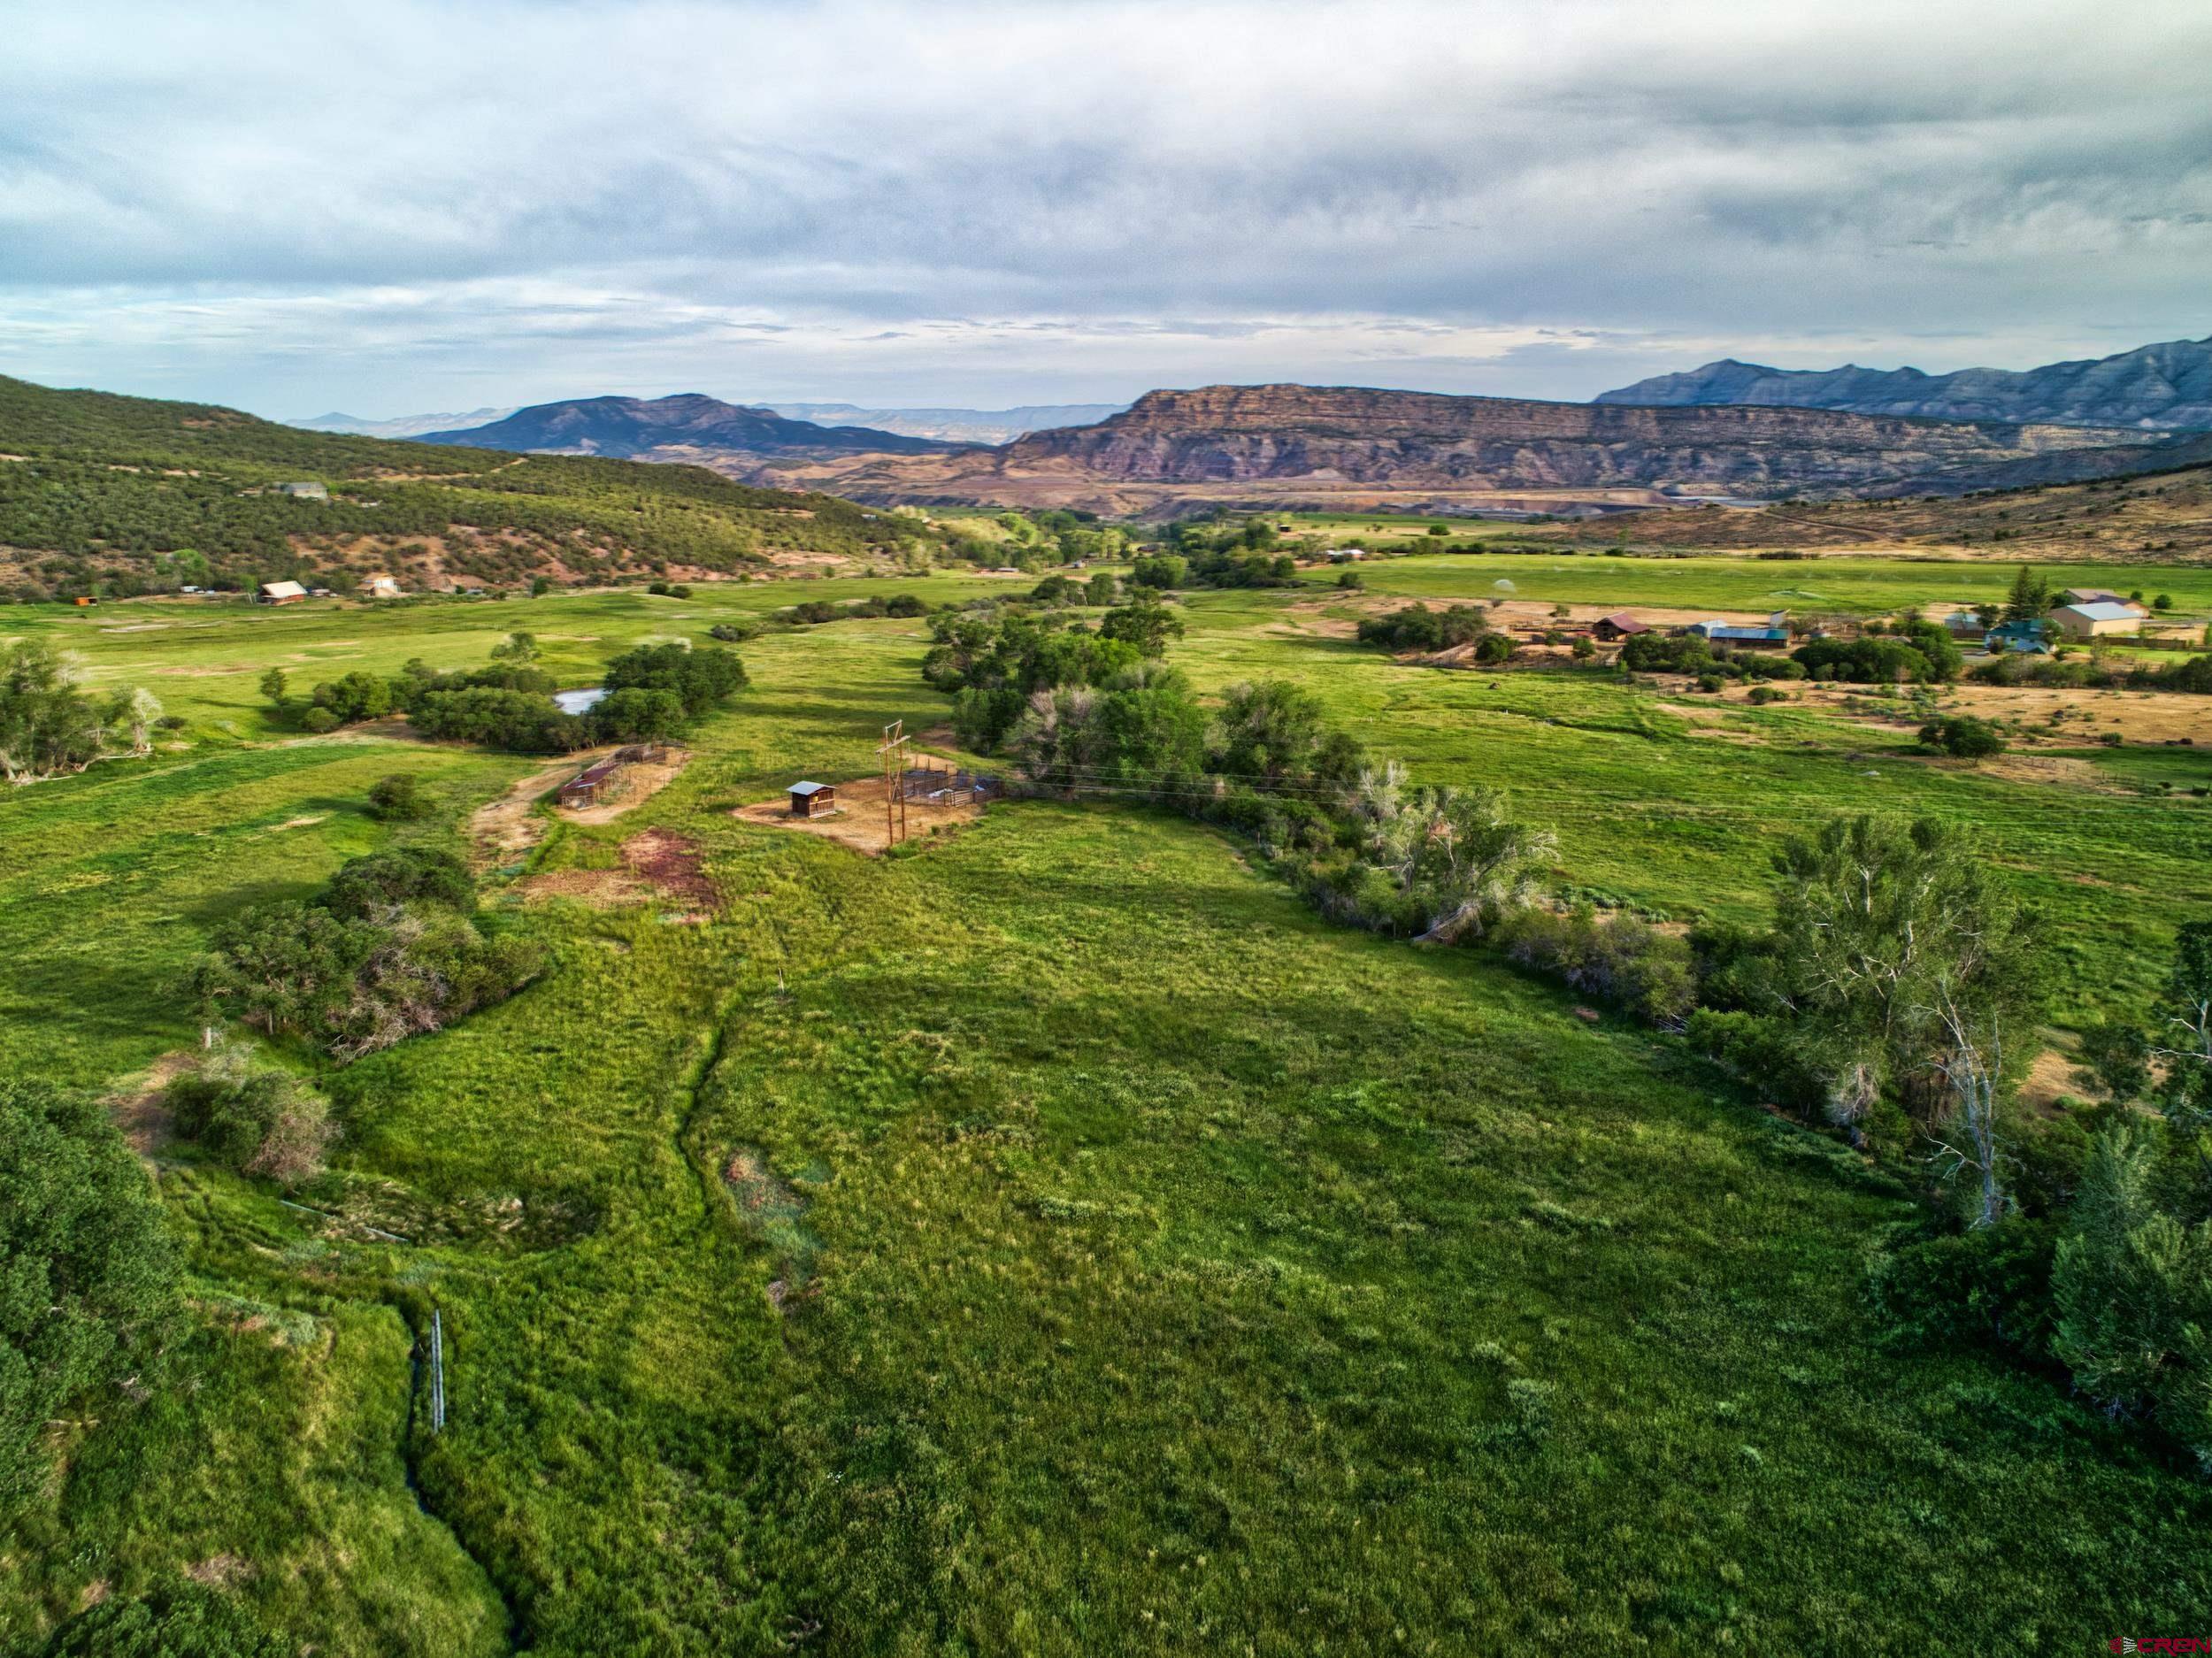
(395, 206)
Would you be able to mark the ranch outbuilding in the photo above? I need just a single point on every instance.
(2096, 618)
(813, 800)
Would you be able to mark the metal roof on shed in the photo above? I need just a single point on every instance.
(809, 788)
(2101, 611)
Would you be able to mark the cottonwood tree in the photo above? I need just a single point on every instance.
(131, 717)
(1456, 852)
(48, 725)
(1918, 973)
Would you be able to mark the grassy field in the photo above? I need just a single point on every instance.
(1059, 1241)
(1836, 584)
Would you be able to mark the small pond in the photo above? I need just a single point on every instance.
(579, 701)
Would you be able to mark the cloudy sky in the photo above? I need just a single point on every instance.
(398, 208)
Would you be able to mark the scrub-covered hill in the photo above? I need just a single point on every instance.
(129, 494)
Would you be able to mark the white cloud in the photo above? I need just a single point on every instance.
(405, 205)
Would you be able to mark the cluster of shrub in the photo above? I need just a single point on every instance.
(1216, 554)
(389, 949)
(1417, 628)
(2192, 674)
(1912, 651)
(1030, 542)
(653, 692)
(49, 725)
(815, 612)
(993, 662)
(252, 1117)
(1102, 591)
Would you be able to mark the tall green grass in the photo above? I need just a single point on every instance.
(1156, 1268)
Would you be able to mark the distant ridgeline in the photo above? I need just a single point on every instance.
(140, 496)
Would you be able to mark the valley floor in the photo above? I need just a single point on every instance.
(1059, 1240)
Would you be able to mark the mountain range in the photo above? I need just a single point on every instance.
(1286, 444)
(684, 427)
(404, 426)
(947, 425)
(2154, 387)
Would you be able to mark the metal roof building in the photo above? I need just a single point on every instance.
(2100, 616)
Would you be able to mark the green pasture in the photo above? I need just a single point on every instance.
(204, 658)
(1058, 1241)
(1855, 587)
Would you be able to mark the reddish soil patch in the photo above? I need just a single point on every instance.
(672, 862)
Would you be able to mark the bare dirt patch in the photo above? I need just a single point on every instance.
(633, 784)
(510, 826)
(2049, 1079)
(860, 821)
(137, 1107)
(602, 889)
(2136, 717)
(2050, 768)
(221, 1571)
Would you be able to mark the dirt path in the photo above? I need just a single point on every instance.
(509, 826)
(138, 1105)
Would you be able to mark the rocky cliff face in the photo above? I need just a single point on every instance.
(1242, 433)
(2156, 388)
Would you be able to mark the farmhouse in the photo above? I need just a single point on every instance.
(281, 592)
(1965, 622)
(380, 586)
(813, 800)
(2015, 636)
(2100, 616)
(304, 492)
(1618, 626)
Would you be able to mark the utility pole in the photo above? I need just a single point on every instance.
(893, 752)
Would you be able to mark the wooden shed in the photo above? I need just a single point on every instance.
(813, 800)
(584, 788)
(1618, 625)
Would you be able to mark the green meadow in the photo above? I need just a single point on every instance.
(1824, 585)
(1060, 1240)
